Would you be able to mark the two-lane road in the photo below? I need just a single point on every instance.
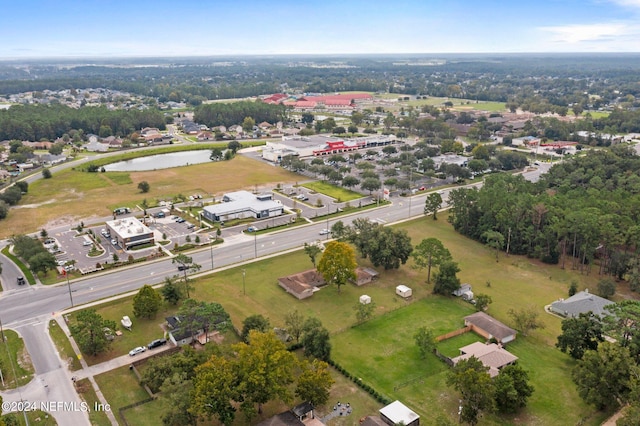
(22, 304)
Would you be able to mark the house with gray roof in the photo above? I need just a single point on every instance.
(241, 205)
(580, 303)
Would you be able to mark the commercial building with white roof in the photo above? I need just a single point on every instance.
(243, 204)
(129, 232)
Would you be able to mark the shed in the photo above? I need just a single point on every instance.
(365, 300)
(461, 290)
(398, 413)
(403, 291)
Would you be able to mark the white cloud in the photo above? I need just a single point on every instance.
(578, 33)
(628, 3)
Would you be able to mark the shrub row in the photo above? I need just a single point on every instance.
(374, 393)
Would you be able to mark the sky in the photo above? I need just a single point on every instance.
(152, 28)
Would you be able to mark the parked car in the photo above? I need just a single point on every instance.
(136, 351)
(86, 243)
(191, 226)
(160, 214)
(157, 343)
(181, 220)
(114, 242)
(21, 281)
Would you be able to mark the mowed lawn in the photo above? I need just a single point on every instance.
(72, 196)
(382, 351)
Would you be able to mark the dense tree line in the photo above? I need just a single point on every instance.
(37, 122)
(228, 114)
(582, 209)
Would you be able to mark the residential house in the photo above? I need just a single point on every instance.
(300, 415)
(491, 355)
(489, 327)
(205, 136)
(365, 275)
(581, 303)
(303, 284)
(113, 141)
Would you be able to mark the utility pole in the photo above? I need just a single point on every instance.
(211, 247)
(66, 273)
(508, 240)
(327, 220)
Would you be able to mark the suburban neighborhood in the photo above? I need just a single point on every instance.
(374, 240)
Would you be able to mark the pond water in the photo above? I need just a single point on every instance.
(160, 161)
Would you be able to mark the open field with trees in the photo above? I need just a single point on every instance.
(515, 283)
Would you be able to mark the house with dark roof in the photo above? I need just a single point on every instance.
(180, 334)
(491, 355)
(489, 327)
(581, 303)
(300, 415)
(365, 275)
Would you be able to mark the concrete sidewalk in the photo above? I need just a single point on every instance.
(63, 325)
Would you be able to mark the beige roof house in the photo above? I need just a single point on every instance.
(491, 355)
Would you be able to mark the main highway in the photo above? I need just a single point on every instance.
(26, 303)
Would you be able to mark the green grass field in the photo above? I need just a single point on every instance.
(88, 394)
(120, 388)
(63, 345)
(17, 369)
(336, 192)
(36, 417)
(382, 351)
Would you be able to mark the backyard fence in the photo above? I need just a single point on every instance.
(453, 333)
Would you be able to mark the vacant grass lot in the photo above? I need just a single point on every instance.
(86, 392)
(336, 192)
(71, 196)
(17, 369)
(120, 387)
